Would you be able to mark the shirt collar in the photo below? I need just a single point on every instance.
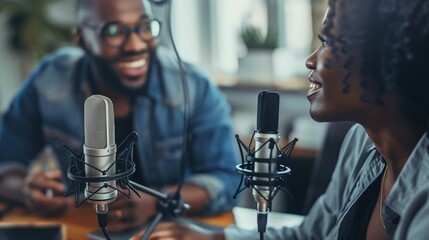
(414, 174)
(165, 83)
(154, 80)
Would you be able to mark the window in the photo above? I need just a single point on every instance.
(207, 33)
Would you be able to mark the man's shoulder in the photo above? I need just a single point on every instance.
(56, 73)
(169, 63)
(60, 61)
(197, 80)
(65, 57)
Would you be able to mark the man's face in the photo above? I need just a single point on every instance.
(121, 44)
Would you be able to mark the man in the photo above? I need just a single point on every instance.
(120, 60)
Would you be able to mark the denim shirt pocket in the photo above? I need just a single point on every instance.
(169, 154)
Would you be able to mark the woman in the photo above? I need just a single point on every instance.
(369, 69)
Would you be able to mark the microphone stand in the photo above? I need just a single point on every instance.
(168, 205)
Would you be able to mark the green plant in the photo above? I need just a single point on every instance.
(252, 37)
(31, 32)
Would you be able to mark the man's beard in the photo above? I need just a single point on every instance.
(107, 73)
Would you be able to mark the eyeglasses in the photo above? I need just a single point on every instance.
(115, 34)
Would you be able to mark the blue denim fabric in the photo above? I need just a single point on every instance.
(49, 110)
(405, 210)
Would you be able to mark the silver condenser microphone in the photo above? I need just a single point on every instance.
(100, 151)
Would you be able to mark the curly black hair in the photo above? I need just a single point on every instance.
(392, 38)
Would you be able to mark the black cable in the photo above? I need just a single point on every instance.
(103, 229)
(186, 111)
(177, 207)
(262, 224)
(102, 222)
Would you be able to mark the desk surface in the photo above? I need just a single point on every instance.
(83, 220)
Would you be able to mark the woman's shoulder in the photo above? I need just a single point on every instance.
(355, 150)
(414, 223)
(357, 140)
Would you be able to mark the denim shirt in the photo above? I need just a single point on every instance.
(49, 110)
(359, 165)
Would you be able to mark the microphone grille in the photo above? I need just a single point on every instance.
(99, 122)
(268, 112)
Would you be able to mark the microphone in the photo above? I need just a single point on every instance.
(267, 123)
(100, 151)
(264, 168)
(98, 168)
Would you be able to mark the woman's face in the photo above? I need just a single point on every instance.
(327, 100)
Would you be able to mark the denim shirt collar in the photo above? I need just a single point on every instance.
(164, 71)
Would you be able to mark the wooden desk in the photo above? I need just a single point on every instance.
(83, 220)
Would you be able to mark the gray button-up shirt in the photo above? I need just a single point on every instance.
(406, 209)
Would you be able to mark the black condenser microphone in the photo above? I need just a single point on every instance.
(264, 166)
(266, 130)
(99, 151)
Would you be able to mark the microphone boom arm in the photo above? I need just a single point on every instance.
(168, 206)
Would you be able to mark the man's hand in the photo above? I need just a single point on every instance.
(45, 193)
(179, 231)
(125, 213)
